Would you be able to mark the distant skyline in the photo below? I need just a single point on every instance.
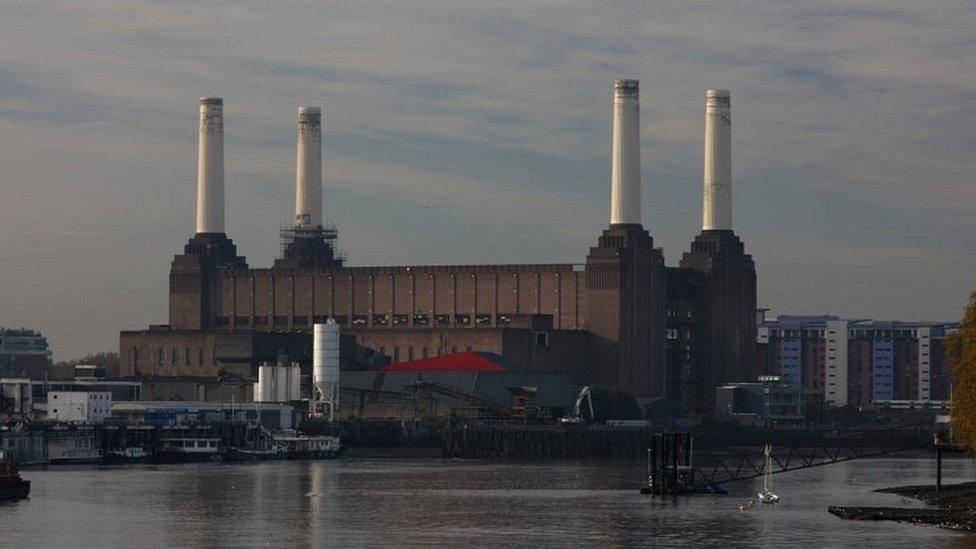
(478, 132)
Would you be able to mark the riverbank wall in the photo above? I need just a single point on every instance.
(545, 442)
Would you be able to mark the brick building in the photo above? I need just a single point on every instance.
(621, 319)
(858, 362)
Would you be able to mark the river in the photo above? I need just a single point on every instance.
(453, 503)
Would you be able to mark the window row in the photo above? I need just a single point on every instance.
(172, 356)
(363, 320)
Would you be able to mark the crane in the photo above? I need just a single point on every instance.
(576, 416)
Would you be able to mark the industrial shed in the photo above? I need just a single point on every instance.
(460, 384)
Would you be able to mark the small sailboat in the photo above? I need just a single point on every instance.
(766, 495)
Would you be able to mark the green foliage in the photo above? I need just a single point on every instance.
(961, 354)
(104, 359)
(613, 404)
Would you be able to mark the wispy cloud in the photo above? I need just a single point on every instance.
(463, 131)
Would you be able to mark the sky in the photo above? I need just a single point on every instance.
(478, 132)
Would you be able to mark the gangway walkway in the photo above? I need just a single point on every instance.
(795, 457)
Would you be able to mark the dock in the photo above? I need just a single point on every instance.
(541, 442)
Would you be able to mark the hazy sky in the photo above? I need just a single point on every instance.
(460, 132)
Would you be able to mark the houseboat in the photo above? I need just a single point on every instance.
(255, 454)
(72, 445)
(310, 447)
(129, 454)
(187, 449)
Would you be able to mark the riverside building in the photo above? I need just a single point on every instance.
(619, 318)
(858, 362)
(24, 353)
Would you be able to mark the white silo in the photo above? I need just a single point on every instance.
(278, 383)
(281, 382)
(295, 382)
(325, 369)
(264, 389)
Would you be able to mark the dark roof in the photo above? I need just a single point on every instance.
(554, 389)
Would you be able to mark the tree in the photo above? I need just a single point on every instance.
(961, 354)
(104, 359)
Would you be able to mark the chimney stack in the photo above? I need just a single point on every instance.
(210, 167)
(625, 161)
(308, 174)
(717, 162)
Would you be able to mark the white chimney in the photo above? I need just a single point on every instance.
(210, 167)
(625, 162)
(717, 162)
(308, 174)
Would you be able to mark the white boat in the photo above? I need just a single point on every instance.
(766, 495)
(254, 454)
(311, 447)
(130, 454)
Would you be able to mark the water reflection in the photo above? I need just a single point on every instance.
(451, 503)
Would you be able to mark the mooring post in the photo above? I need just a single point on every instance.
(676, 454)
(655, 484)
(650, 470)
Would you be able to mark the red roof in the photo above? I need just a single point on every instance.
(468, 361)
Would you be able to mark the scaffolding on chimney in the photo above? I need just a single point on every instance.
(310, 246)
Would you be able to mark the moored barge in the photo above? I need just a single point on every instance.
(12, 486)
(311, 447)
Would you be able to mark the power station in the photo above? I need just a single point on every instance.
(621, 319)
